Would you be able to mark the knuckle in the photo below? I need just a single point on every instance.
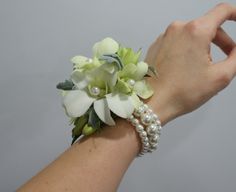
(195, 28)
(223, 5)
(175, 25)
(224, 79)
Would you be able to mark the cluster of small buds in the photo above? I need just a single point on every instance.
(148, 125)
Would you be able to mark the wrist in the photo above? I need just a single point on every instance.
(161, 102)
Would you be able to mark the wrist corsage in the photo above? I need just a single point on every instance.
(110, 84)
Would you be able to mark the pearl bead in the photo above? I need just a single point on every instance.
(152, 129)
(134, 122)
(95, 91)
(158, 122)
(154, 117)
(139, 128)
(149, 111)
(138, 112)
(143, 134)
(145, 140)
(130, 118)
(145, 106)
(155, 139)
(131, 82)
(146, 119)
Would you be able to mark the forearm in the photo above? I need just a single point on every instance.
(96, 163)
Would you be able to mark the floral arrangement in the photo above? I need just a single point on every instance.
(110, 84)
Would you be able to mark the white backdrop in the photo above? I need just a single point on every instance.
(37, 40)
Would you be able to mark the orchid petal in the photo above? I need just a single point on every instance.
(120, 104)
(79, 79)
(80, 61)
(106, 46)
(128, 71)
(77, 102)
(142, 69)
(142, 89)
(136, 101)
(103, 112)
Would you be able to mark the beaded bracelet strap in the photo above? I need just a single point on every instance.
(148, 125)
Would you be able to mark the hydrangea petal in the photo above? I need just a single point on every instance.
(103, 112)
(120, 104)
(142, 69)
(79, 79)
(106, 46)
(77, 102)
(142, 89)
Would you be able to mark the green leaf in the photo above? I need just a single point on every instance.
(93, 119)
(79, 124)
(66, 85)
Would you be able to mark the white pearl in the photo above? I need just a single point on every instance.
(139, 128)
(146, 119)
(158, 122)
(145, 140)
(143, 134)
(134, 122)
(152, 129)
(95, 91)
(131, 82)
(145, 106)
(130, 118)
(149, 111)
(155, 138)
(138, 112)
(154, 117)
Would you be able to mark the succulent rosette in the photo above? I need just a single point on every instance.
(109, 84)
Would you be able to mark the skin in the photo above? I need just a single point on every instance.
(187, 78)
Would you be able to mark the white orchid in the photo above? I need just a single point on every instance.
(112, 81)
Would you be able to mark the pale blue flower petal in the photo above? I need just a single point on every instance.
(103, 112)
(77, 102)
(120, 104)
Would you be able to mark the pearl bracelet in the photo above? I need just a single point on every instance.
(148, 126)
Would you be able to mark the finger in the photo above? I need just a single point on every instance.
(224, 41)
(225, 71)
(218, 15)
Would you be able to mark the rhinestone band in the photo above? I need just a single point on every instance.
(148, 125)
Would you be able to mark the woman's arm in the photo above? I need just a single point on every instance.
(187, 78)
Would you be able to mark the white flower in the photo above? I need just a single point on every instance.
(77, 102)
(106, 46)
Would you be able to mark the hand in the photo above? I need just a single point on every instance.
(187, 76)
